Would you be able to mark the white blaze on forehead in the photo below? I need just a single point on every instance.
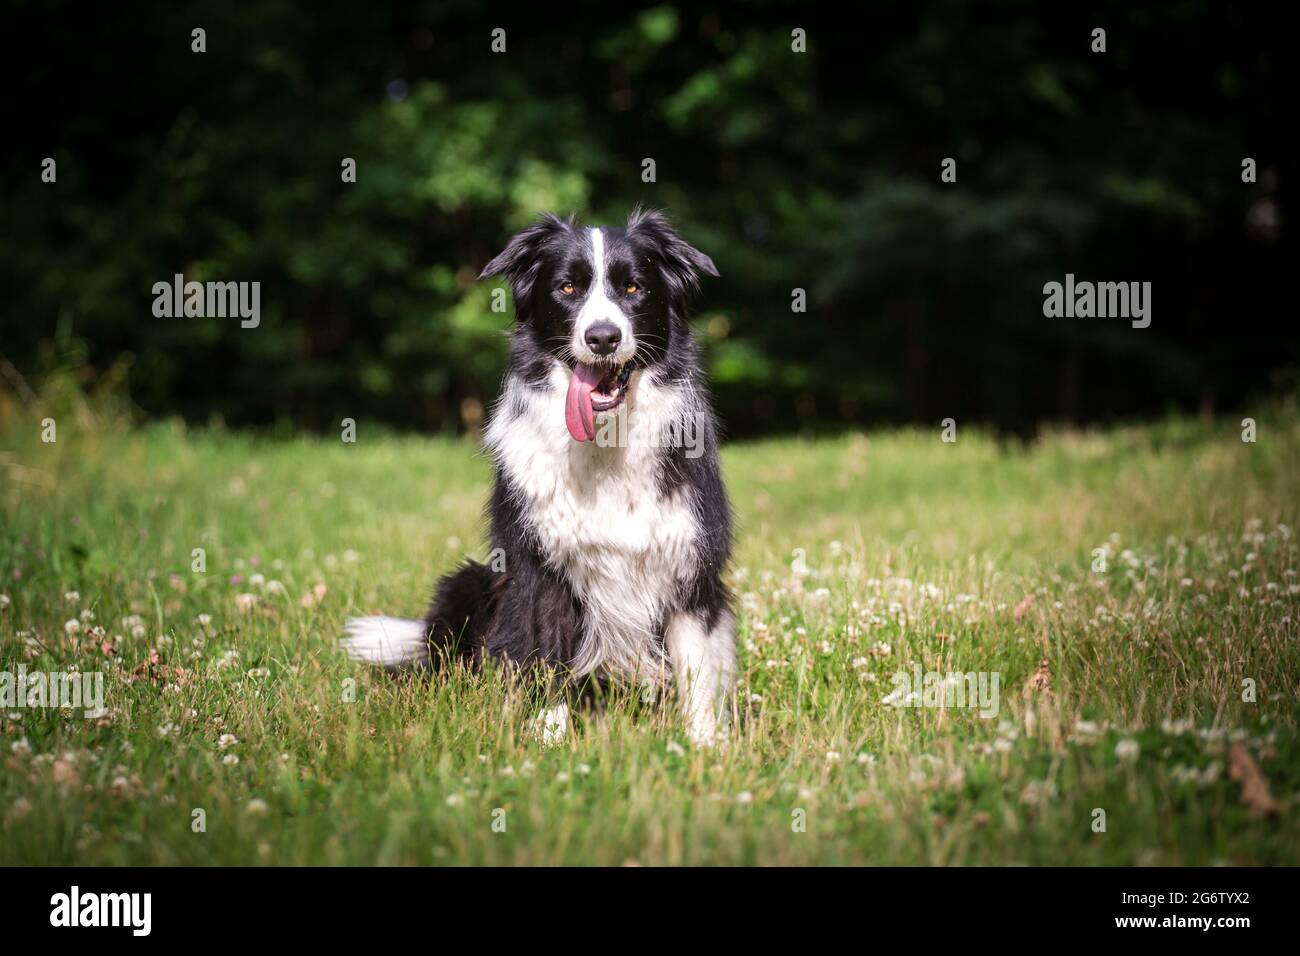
(598, 260)
(599, 307)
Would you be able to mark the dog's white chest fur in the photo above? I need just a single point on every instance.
(599, 517)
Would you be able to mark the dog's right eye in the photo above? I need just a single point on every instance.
(567, 288)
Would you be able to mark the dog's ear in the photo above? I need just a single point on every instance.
(682, 261)
(520, 261)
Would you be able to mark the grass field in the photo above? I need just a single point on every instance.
(856, 558)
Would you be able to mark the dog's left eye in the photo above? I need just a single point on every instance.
(631, 288)
(567, 288)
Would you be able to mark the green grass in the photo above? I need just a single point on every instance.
(855, 557)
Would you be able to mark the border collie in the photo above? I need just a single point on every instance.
(608, 510)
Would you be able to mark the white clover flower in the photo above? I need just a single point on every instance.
(227, 740)
(256, 807)
(1127, 749)
(230, 760)
(71, 626)
(1037, 791)
(744, 797)
(72, 597)
(454, 800)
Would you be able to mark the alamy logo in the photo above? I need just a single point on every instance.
(633, 431)
(19, 690)
(951, 690)
(212, 300)
(103, 909)
(1102, 300)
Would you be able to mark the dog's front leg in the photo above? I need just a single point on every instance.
(704, 669)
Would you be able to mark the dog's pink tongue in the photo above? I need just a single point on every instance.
(577, 406)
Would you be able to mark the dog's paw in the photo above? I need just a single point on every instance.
(707, 734)
(552, 725)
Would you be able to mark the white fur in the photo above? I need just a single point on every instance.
(704, 664)
(551, 725)
(390, 641)
(599, 307)
(599, 517)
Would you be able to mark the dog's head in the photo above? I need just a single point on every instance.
(604, 302)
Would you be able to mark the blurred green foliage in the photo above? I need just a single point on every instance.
(816, 170)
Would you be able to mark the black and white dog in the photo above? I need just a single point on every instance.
(608, 508)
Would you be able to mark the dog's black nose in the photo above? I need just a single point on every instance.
(603, 337)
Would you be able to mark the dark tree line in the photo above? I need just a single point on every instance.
(817, 171)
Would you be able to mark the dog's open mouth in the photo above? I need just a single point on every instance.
(593, 388)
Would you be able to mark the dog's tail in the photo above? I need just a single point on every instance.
(393, 642)
(455, 625)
